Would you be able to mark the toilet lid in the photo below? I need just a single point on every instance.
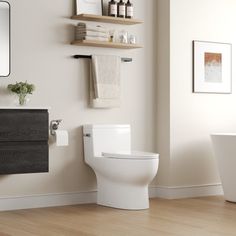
(135, 155)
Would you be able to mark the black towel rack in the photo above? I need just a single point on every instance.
(123, 59)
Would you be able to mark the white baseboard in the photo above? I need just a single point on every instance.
(62, 199)
(186, 191)
(47, 200)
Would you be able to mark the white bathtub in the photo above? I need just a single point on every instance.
(225, 151)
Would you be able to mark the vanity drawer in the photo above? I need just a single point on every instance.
(23, 125)
(23, 157)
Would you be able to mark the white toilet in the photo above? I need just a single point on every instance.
(122, 175)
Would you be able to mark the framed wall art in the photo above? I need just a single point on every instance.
(93, 7)
(212, 67)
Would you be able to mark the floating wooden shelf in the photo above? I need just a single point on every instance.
(105, 44)
(106, 19)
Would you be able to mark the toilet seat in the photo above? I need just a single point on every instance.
(133, 155)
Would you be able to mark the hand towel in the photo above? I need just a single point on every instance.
(105, 82)
(92, 38)
(91, 34)
(106, 76)
(85, 27)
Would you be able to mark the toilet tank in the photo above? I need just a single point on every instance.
(108, 138)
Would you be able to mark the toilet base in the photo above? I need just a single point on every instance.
(122, 196)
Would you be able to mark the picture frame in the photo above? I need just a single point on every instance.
(212, 67)
(93, 7)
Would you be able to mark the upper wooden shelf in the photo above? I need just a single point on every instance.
(106, 19)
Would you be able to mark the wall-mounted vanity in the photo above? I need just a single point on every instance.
(4, 39)
(23, 140)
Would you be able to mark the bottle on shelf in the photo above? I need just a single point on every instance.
(129, 10)
(112, 8)
(121, 9)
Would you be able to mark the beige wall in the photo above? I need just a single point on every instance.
(163, 91)
(41, 54)
(193, 117)
(196, 116)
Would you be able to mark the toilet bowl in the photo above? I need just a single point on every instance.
(122, 175)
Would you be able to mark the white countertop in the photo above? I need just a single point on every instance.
(24, 108)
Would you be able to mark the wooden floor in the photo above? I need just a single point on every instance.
(208, 216)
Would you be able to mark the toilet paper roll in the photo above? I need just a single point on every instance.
(61, 138)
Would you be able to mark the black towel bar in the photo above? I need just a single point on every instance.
(123, 59)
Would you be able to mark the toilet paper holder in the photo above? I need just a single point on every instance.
(54, 124)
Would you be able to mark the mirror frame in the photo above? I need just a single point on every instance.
(4, 76)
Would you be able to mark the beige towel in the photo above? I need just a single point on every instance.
(92, 38)
(106, 76)
(105, 81)
(91, 33)
(85, 27)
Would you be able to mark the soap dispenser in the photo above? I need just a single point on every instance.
(129, 10)
(112, 8)
(121, 9)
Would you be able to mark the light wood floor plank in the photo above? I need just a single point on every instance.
(209, 216)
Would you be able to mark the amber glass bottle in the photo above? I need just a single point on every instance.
(112, 8)
(121, 9)
(129, 10)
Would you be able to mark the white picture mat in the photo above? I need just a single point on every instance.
(200, 85)
(93, 7)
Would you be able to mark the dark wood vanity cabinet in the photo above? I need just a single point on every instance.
(23, 141)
